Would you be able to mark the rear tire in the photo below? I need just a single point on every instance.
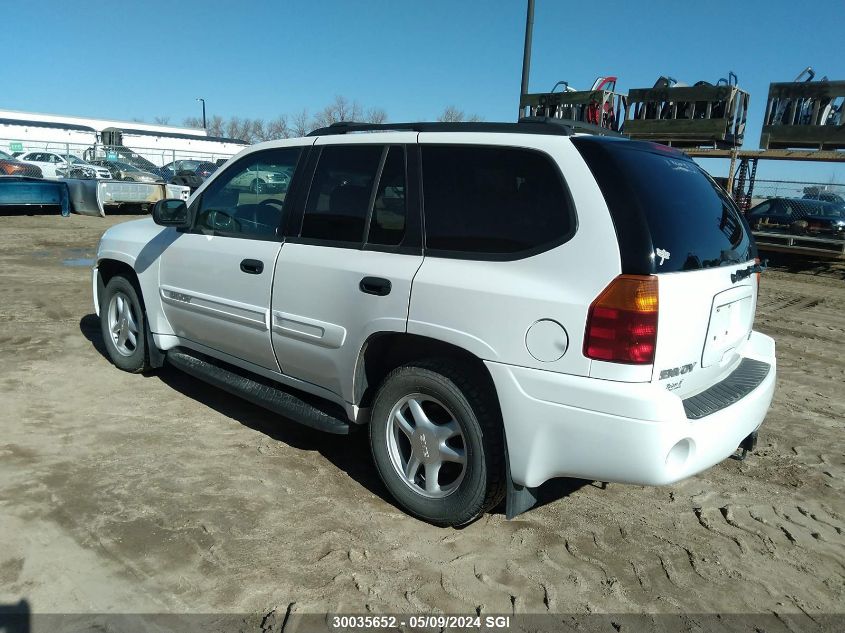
(124, 326)
(437, 441)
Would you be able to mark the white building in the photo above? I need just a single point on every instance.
(88, 137)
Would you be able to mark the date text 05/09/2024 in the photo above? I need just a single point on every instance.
(373, 622)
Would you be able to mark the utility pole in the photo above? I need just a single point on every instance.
(203, 110)
(526, 53)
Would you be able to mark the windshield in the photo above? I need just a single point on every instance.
(4, 155)
(73, 160)
(665, 208)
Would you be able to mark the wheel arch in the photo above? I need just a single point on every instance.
(107, 269)
(383, 352)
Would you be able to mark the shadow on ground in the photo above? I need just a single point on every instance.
(350, 453)
(805, 265)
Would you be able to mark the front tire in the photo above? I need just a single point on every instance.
(437, 441)
(123, 325)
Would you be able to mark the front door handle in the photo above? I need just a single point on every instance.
(375, 286)
(252, 266)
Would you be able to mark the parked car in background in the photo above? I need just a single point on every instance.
(826, 196)
(10, 166)
(263, 179)
(55, 165)
(203, 169)
(124, 171)
(801, 216)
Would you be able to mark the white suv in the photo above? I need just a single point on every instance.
(501, 303)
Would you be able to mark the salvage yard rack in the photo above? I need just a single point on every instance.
(804, 115)
(688, 116)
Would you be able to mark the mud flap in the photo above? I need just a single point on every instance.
(518, 499)
(747, 446)
(154, 355)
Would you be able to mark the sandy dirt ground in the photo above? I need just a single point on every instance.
(146, 494)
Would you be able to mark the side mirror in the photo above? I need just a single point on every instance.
(171, 212)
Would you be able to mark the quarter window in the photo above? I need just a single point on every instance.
(493, 200)
(387, 225)
(248, 199)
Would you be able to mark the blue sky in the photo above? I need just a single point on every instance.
(256, 58)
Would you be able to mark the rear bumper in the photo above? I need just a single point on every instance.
(571, 426)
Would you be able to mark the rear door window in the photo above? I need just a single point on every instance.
(339, 198)
(669, 214)
(484, 202)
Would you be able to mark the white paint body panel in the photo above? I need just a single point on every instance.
(209, 300)
(487, 307)
(569, 426)
(321, 318)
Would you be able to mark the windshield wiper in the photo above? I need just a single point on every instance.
(744, 273)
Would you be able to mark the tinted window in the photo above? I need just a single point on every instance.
(387, 225)
(244, 202)
(660, 199)
(340, 193)
(761, 209)
(493, 200)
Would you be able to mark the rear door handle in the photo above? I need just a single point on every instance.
(252, 266)
(375, 286)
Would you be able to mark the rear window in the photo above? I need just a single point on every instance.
(669, 214)
(484, 202)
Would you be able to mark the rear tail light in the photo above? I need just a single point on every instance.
(758, 273)
(622, 321)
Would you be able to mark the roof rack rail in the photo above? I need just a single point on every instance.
(575, 127)
(538, 126)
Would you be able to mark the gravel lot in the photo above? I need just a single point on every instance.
(148, 494)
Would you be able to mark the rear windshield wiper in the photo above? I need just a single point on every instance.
(744, 273)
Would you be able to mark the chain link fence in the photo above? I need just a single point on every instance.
(57, 159)
(795, 216)
(767, 189)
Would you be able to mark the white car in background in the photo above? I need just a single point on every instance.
(54, 165)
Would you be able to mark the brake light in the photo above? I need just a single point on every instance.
(758, 274)
(622, 321)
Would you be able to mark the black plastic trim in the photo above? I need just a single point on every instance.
(271, 397)
(553, 127)
(739, 383)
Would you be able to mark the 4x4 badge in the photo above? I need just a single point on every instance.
(662, 254)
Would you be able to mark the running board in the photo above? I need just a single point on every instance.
(273, 398)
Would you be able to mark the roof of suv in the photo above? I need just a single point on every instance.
(526, 125)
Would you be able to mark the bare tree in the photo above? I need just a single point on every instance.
(452, 114)
(277, 128)
(300, 124)
(341, 109)
(162, 120)
(375, 115)
(192, 121)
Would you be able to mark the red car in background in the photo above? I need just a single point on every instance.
(10, 166)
